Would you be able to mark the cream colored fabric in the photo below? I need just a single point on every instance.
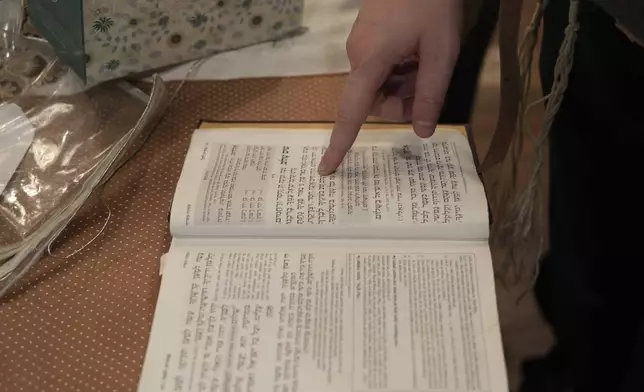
(321, 50)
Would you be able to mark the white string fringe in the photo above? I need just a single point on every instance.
(88, 243)
(189, 74)
(13, 256)
(520, 227)
(18, 257)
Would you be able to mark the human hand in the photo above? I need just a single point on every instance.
(402, 54)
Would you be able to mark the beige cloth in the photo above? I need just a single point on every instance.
(321, 50)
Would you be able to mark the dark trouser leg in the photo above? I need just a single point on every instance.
(459, 100)
(591, 288)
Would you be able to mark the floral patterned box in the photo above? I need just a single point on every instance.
(108, 39)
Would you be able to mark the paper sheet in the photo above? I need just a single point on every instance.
(244, 183)
(292, 319)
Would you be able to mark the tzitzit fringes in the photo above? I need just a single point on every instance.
(563, 66)
(526, 60)
(527, 214)
(501, 231)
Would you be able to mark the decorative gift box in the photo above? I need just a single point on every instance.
(108, 39)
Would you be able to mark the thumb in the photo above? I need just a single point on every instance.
(434, 76)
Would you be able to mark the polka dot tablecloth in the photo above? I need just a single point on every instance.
(82, 323)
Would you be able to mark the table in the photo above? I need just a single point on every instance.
(82, 323)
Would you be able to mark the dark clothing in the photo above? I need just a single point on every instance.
(459, 100)
(629, 13)
(590, 286)
(460, 97)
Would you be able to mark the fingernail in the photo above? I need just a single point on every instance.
(424, 129)
(323, 170)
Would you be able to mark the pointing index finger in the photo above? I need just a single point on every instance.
(356, 103)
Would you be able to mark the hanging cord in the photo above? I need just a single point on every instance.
(524, 219)
(503, 195)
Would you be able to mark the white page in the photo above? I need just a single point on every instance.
(392, 185)
(269, 317)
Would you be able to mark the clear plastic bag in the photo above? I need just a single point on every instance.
(58, 142)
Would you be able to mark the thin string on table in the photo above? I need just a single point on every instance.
(189, 74)
(194, 68)
(103, 227)
(51, 228)
(13, 249)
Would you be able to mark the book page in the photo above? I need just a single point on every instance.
(391, 184)
(279, 318)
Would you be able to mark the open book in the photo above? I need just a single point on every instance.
(377, 278)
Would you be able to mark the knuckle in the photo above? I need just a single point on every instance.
(355, 44)
(428, 101)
